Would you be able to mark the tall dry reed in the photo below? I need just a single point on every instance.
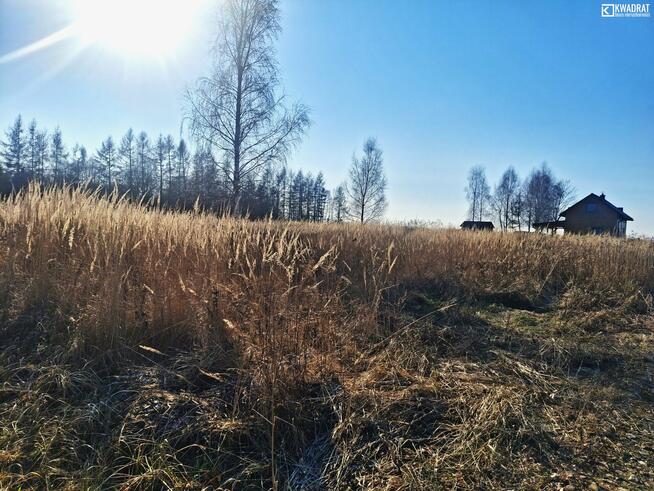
(111, 274)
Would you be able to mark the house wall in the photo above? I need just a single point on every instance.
(580, 221)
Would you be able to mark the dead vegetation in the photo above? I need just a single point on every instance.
(160, 350)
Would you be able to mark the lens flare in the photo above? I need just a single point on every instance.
(135, 27)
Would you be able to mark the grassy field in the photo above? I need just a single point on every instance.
(144, 349)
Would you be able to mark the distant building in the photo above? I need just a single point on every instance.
(470, 225)
(591, 215)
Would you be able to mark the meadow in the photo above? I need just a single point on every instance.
(143, 348)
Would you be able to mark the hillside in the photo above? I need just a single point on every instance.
(149, 349)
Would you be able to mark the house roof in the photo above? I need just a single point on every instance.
(603, 201)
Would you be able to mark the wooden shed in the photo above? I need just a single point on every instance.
(476, 225)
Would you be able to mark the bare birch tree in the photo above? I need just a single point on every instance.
(545, 197)
(505, 194)
(367, 186)
(236, 112)
(478, 193)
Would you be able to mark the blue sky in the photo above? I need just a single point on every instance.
(443, 86)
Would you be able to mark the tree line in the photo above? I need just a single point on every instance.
(518, 204)
(166, 172)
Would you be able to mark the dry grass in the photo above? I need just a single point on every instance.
(145, 349)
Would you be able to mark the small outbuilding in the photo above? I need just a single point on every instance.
(476, 225)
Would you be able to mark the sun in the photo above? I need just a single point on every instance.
(135, 28)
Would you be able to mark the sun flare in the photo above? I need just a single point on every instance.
(135, 28)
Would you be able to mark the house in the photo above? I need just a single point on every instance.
(595, 215)
(471, 225)
(591, 215)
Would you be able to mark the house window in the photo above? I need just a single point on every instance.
(591, 207)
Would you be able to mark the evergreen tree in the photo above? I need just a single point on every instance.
(183, 160)
(296, 199)
(169, 151)
(127, 157)
(339, 204)
(42, 153)
(13, 151)
(143, 164)
(279, 198)
(32, 149)
(160, 160)
(319, 198)
(107, 163)
(307, 203)
(58, 156)
(197, 177)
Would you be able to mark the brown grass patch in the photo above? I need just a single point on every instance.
(149, 349)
